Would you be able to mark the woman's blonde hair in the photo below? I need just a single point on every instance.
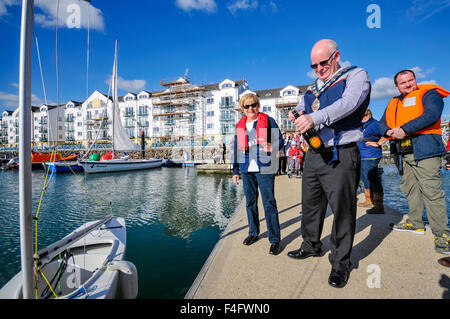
(248, 97)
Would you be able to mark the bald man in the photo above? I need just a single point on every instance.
(334, 105)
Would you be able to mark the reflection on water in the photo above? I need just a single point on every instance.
(174, 218)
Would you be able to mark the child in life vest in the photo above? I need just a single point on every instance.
(295, 157)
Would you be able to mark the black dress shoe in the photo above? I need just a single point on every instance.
(302, 254)
(338, 278)
(250, 240)
(274, 249)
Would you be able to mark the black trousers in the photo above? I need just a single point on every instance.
(335, 185)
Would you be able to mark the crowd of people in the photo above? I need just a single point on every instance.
(336, 106)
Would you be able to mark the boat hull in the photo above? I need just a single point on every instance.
(118, 165)
(63, 167)
(86, 275)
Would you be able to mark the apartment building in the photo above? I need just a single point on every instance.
(182, 114)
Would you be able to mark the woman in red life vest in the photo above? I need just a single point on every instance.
(256, 145)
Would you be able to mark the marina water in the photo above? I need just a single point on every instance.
(174, 218)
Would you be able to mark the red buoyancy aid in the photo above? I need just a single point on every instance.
(399, 112)
(261, 131)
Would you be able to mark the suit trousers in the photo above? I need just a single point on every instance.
(334, 185)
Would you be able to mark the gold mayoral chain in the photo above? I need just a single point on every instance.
(317, 93)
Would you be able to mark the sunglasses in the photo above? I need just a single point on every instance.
(324, 62)
(250, 105)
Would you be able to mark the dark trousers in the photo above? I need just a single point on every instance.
(266, 184)
(283, 164)
(370, 176)
(333, 185)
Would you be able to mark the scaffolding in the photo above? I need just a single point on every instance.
(178, 112)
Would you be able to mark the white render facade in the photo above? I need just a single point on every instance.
(183, 114)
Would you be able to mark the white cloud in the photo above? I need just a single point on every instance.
(421, 10)
(128, 85)
(383, 88)
(242, 5)
(7, 3)
(209, 6)
(71, 14)
(9, 100)
(274, 6)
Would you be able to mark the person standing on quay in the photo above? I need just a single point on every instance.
(370, 149)
(413, 121)
(256, 145)
(334, 105)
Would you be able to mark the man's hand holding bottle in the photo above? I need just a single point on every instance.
(303, 123)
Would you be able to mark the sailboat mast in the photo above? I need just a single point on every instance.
(25, 194)
(115, 97)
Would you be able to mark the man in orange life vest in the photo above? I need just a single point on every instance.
(412, 121)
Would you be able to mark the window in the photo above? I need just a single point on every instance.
(210, 113)
(288, 92)
(227, 85)
(267, 109)
(210, 101)
(227, 100)
(210, 126)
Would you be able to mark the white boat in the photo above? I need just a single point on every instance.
(87, 263)
(120, 142)
(119, 165)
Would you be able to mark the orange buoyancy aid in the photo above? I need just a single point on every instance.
(261, 131)
(399, 112)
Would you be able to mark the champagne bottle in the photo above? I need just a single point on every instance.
(312, 137)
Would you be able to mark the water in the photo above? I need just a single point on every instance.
(174, 218)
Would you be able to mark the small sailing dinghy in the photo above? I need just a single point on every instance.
(120, 142)
(87, 263)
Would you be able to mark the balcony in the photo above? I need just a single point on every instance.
(227, 119)
(42, 122)
(69, 119)
(43, 130)
(4, 124)
(129, 124)
(285, 102)
(70, 129)
(128, 114)
(231, 105)
(142, 124)
(143, 113)
(43, 139)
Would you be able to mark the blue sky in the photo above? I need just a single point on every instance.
(267, 42)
